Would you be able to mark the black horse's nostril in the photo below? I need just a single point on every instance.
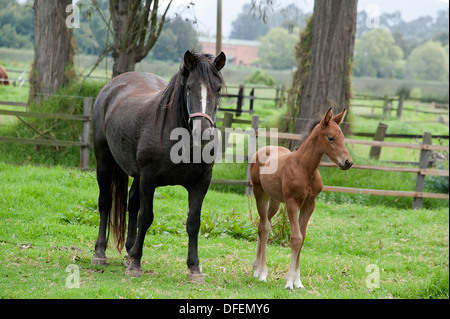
(348, 164)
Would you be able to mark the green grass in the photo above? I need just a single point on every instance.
(38, 242)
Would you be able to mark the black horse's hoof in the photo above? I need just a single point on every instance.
(197, 277)
(98, 261)
(134, 272)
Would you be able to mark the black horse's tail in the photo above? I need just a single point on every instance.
(117, 217)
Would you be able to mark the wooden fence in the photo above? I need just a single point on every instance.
(422, 170)
(85, 137)
(418, 194)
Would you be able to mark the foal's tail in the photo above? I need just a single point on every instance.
(117, 217)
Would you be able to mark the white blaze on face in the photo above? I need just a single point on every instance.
(204, 97)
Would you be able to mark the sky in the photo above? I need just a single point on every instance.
(205, 11)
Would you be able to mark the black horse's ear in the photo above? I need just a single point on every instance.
(220, 60)
(189, 60)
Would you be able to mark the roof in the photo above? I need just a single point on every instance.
(230, 41)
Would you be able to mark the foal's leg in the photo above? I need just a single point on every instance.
(133, 209)
(296, 240)
(196, 196)
(146, 192)
(259, 268)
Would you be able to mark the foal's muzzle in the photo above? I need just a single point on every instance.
(346, 165)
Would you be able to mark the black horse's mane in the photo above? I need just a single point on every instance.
(174, 93)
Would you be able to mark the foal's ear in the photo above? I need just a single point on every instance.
(189, 60)
(220, 60)
(340, 117)
(327, 118)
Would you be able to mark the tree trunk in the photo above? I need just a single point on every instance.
(136, 29)
(54, 45)
(328, 68)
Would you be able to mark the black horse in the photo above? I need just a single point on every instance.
(134, 115)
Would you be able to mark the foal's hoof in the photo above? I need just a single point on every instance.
(98, 261)
(135, 272)
(197, 277)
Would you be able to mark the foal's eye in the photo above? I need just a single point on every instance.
(331, 139)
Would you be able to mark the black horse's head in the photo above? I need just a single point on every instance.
(201, 88)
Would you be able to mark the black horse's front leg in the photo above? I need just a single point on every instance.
(196, 196)
(146, 192)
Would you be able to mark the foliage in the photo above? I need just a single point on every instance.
(428, 62)
(16, 24)
(84, 214)
(276, 48)
(408, 34)
(439, 184)
(253, 23)
(178, 35)
(377, 55)
(260, 77)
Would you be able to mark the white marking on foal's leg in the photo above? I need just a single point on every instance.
(293, 280)
(204, 97)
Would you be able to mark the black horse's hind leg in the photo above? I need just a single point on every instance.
(133, 209)
(196, 196)
(146, 192)
(104, 179)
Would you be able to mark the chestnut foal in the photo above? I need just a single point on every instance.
(295, 181)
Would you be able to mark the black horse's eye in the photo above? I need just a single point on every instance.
(219, 89)
(331, 139)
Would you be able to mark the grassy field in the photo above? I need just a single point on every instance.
(48, 222)
(49, 218)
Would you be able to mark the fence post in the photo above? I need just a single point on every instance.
(86, 134)
(375, 151)
(420, 181)
(401, 100)
(387, 107)
(252, 98)
(240, 100)
(252, 144)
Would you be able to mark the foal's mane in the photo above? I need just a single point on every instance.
(311, 125)
(173, 95)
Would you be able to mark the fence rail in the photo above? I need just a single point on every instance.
(421, 171)
(227, 121)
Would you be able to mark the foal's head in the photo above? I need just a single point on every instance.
(202, 84)
(331, 139)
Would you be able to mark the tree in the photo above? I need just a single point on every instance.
(178, 35)
(246, 26)
(323, 76)
(16, 24)
(53, 65)
(136, 28)
(428, 62)
(377, 55)
(277, 48)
